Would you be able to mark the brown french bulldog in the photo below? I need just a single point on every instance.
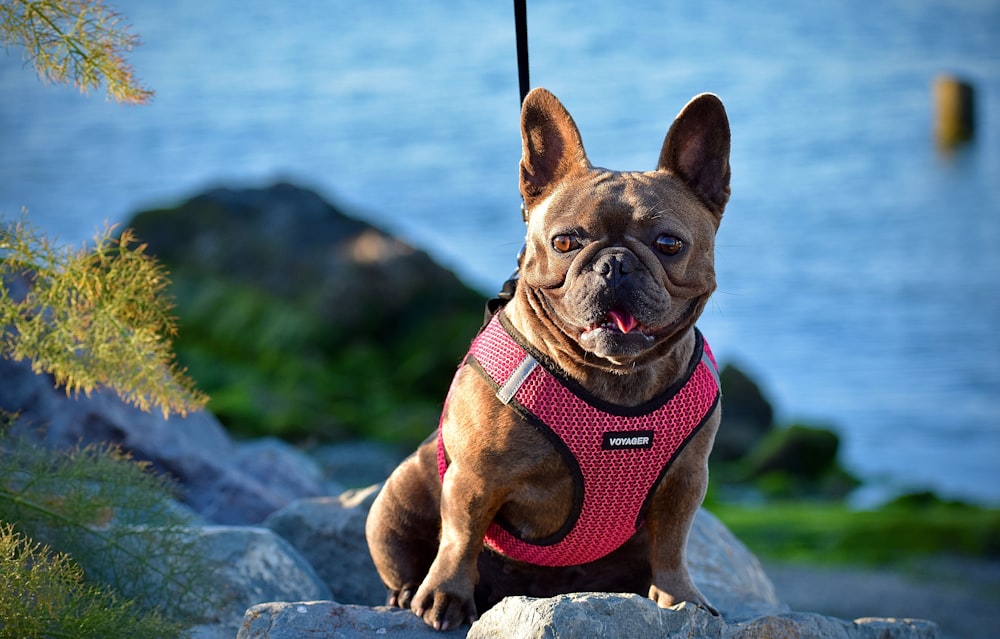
(572, 451)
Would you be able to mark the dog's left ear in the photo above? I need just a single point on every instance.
(696, 149)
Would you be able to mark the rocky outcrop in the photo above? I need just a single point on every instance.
(298, 620)
(303, 322)
(614, 616)
(747, 418)
(330, 533)
(574, 616)
(722, 567)
(248, 564)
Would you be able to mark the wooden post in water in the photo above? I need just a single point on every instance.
(955, 115)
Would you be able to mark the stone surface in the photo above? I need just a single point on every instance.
(330, 533)
(250, 565)
(290, 472)
(300, 620)
(721, 566)
(727, 572)
(237, 567)
(613, 616)
(356, 464)
(605, 615)
(805, 624)
(573, 616)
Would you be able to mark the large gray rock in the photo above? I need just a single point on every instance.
(605, 615)
(356, 464)
(217, 480)
(727, 572)
(808, 625)
(613, 616)
(330, 533)
(574, 616)
(249, 565)
(304, 322)
(288, 471)
(283, 620)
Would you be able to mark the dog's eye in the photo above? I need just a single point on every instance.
(565, 243)
(669, 245)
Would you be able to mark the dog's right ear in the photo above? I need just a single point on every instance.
(551, 145)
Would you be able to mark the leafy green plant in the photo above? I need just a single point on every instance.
(43, 595)
(78, 41)
(92, 318)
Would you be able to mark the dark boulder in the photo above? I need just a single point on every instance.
(747, 415)
(799, 461)
(302, 322)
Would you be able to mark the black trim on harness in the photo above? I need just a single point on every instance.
(608, 407)
(640, 518)
(574, 467)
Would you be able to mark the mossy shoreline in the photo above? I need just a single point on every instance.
(899, 534)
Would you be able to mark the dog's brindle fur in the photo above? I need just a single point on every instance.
(425, 535)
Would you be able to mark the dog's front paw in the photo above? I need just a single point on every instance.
(401, 598)
(678, 595)
(443, 610)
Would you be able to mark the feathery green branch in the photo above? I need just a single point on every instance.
(92, 318)
(111, 515)
(43, 596)
(78, 41)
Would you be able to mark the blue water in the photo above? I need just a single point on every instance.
(858, 267)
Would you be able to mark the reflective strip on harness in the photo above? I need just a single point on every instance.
(513, 383)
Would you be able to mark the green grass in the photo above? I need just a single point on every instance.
(831, 533)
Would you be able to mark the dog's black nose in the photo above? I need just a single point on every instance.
(615, 265)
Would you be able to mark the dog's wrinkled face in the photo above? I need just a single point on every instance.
(622, 261)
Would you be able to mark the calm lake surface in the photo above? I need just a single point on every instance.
(858, 267)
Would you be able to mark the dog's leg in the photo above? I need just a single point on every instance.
(669, 520)
(402, 530)
(468, 504)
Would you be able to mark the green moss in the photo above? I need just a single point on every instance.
(277, 367)
(823, 533)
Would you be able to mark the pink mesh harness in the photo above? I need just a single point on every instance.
(616, 454)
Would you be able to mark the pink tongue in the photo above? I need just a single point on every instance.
(625, 321)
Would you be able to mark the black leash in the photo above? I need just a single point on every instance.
(521, 32)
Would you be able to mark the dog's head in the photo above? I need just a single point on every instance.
(619, 264)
